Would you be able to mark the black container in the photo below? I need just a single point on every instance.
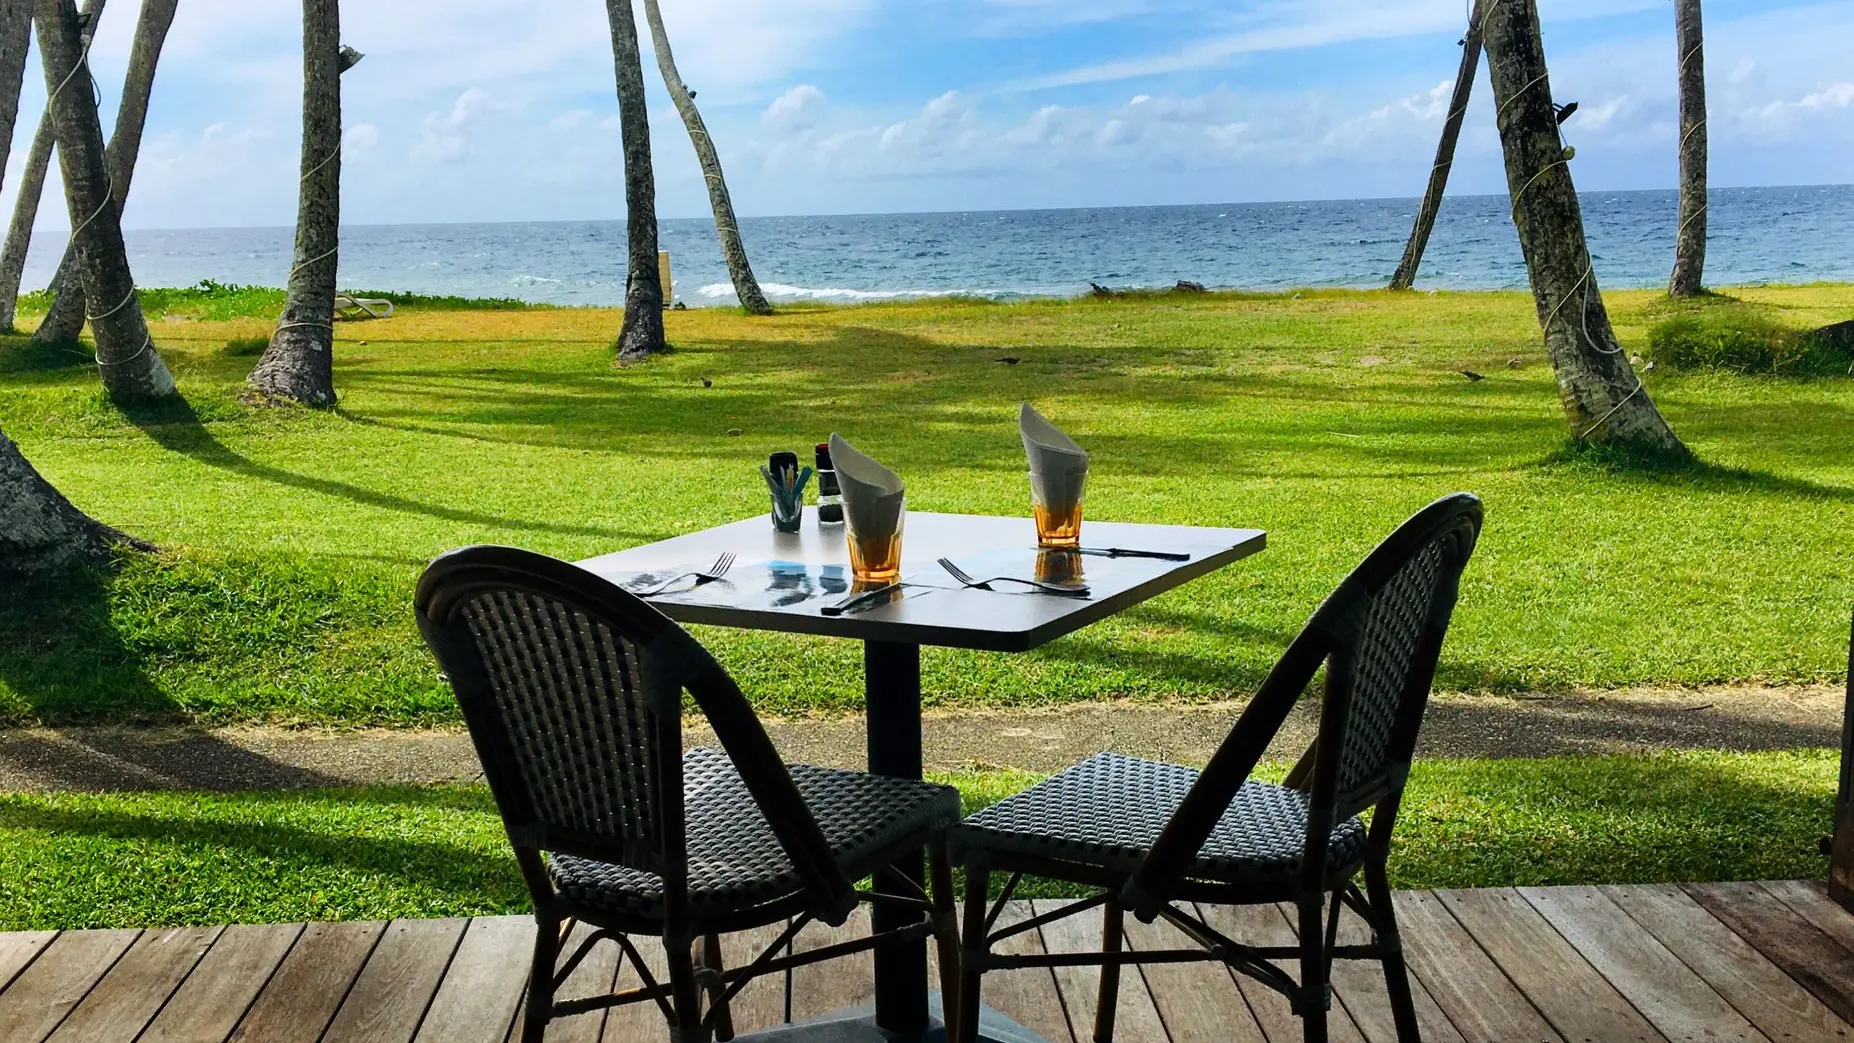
(830, 497)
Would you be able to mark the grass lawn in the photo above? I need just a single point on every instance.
(293, 537)
(75, 860)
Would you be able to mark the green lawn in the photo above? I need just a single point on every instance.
(75, 860)
(293, 538)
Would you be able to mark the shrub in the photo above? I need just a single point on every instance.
(1740, 340)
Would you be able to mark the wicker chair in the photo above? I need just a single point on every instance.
(1154, 837)
(572, 690)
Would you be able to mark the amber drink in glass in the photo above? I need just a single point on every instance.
(875, 557)
(1057, 506)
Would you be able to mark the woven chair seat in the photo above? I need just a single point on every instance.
(735, 861)
(1108, 810)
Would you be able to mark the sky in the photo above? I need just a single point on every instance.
(504, 110)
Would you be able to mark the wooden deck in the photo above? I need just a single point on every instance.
(1642, 964)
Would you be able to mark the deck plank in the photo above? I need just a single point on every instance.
(476, 1002)
(1478, 997)
(1360, 986)
(636, 1022)
(1197, 1001)
(1816, 961)
(1755, 987)
(596, 975)
(309, 985)
(1572, 995)
(846, 982)
(214, 996)
(1654, 981)
(57, 981)
(18, 949)
(1264, 925)
(761, 1004)
(136, 988)
(1135, 1018)
(1029, 996)
(397, 983)
(1811, 902)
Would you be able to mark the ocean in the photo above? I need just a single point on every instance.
(1758, 235)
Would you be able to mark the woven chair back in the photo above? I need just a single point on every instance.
(572, 689)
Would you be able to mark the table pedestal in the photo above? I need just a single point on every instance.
(903, 1012)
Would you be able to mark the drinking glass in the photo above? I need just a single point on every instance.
(875, 546)
(1056, 501)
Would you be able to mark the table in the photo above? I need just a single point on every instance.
(781, 581)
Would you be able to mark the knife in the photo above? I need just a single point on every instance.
(1122, 552)
(839, 607)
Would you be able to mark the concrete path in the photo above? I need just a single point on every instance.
(1044, 740)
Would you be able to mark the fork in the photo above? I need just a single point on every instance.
(985, 584)
(709, 575)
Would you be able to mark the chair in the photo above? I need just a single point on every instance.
(573, 693)
(1155, 837)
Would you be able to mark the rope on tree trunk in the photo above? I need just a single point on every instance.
(119, 305)
(326, 160)
(1604, 419)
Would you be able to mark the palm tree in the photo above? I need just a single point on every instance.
(39, 529)
(130, 365)
(31, 189)
(65, 320)
(1604, 399)
(1405, 276)
(299, 364)
(746, 287)
(642, 332)
(15, 37)
(1690, 239)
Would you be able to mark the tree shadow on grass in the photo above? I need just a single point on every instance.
(173, 424)
(62, 654)
(469, 877)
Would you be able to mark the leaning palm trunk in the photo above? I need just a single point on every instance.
(15, 36)
(31, 189)
(1690, 239)
(65, 320)
(1604, 400)
(300, 362)
(131, 367)
(746, 287)
(642, 332)
(39, 529)
(1405, 276)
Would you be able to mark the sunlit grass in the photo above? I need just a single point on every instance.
(144, 859)
(293, 538)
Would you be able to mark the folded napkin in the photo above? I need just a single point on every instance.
(1058, 463)
(872, 494)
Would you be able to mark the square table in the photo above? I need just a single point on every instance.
(781, 581)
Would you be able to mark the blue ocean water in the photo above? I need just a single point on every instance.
(1757, 235)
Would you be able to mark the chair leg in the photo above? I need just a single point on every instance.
(945, 928)
(541, 980)
(1107, 1002)
(964, 1028)
(685, 993)
(1390, 943)
(1315, 997)
(711, 971)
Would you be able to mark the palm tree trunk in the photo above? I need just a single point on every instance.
(1405, 276)
(39, 529)
(1603, 398)
(65, 320)
(299, 364)
(1690, 241)
(746, 287)
(15, 37)
(642, 333)
(131, 367)
(31, 190)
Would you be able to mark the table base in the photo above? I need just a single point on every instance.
(857, 1025)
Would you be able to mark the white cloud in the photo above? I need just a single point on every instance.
(794, 110)
(444, 137)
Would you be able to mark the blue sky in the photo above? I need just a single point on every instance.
(500, 110)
